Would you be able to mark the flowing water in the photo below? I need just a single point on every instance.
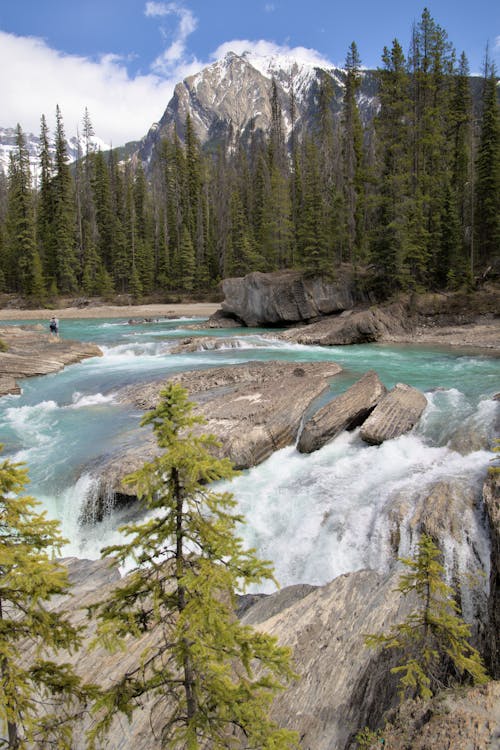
(316, 516)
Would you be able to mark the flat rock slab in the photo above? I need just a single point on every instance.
(397, 413)
(345, 412)
(31, 352)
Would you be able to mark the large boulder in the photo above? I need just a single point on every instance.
(344, 412)
(283, 297)
(397, 413)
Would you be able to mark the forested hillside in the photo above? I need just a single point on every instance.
(413, 196)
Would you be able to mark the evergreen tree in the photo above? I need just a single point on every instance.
(39, 697)
(64, 214)
(461, 170)
(353, 157)
(393, 151)
(487, 192)
(434, 638)
(45, 205)
(188, 564)
(311, 233)
(431, 68)
(21, 222)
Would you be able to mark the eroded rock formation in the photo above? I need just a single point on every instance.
(395, 414)
(285, 297)
(253, 410)
(345, 412)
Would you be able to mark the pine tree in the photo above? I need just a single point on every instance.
(39, 697)
(487, 192)
(45, 205)
(66, 270)
(188, 564)
(21, 222)
(433, 639)
(352, 148)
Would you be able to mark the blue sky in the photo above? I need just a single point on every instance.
(122, 58)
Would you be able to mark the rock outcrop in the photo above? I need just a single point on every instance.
(285, 297)
(395, 414)
(350, 327)
(469, 719)
(344, 412)
(341, 686)
(491, 497)
(253, 410)
(30, 353)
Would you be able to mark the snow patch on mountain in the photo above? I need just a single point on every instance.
(76, 148)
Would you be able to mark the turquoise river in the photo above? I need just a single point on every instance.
(315, 516)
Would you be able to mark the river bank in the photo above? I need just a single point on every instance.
(190, 309)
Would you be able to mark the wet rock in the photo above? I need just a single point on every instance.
(30, 353)
(491, 497)
(344, 412)
(252, 409)
(285, 297)
(350, 327)
(397, 413)
(222, 319)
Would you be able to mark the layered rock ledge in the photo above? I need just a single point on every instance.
(253, 410)
(397, 413)
(285, 297)
(344, 412)
(31, 352)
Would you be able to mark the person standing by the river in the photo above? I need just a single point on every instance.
(54, 327)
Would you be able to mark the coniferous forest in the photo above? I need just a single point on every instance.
(412, 198)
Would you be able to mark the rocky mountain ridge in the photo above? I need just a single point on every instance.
(230, 101)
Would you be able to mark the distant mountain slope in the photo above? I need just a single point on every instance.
(8, 146)
(231, 99)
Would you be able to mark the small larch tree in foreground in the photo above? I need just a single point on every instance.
(211, 679)
(39, 696)
(434, 638)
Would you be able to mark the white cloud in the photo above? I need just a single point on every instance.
(177, 49)
(269, 7)
(35, 78)
(497, 43)
(261, 48)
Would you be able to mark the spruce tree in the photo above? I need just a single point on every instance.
(433, 640)
(45, 205)
(202, 671)
(393, 151)
(487, 192)
(39, 696)
(352, 149)
(64, 218)
(21, 223)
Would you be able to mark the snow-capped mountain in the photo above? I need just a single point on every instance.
(8, 146)
(231, 99)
